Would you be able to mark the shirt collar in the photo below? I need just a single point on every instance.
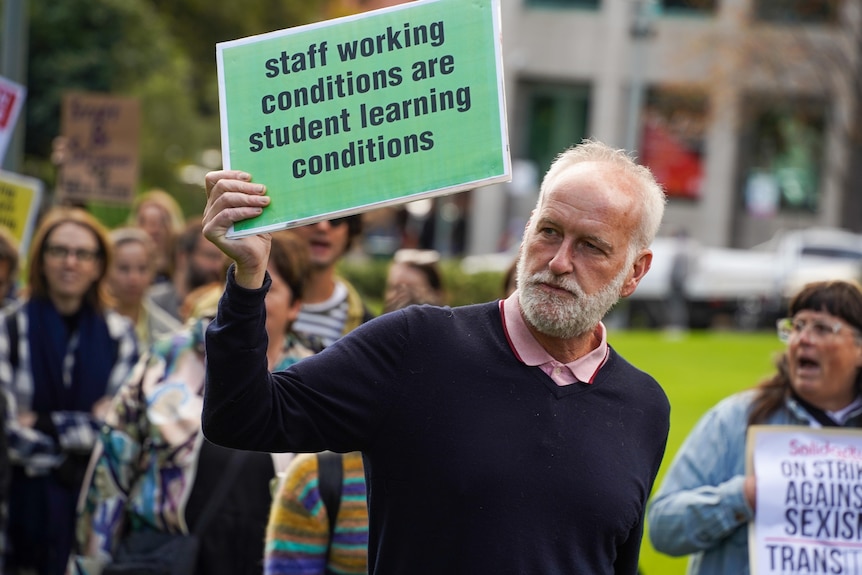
(530, 352)
(842, 415)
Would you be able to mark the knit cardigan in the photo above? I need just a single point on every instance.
(297, 536)
(476, 462)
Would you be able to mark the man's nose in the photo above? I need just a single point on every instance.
(562, 263)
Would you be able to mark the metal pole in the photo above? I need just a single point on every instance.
(641, 31)
(13, 65)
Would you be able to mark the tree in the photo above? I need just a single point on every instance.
(162, 52)
(112, 46)
(200, 24)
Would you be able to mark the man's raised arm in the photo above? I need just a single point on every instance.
(236, 396)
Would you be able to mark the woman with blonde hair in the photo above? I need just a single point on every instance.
(63, 354)
(158, 213)
(129, 278)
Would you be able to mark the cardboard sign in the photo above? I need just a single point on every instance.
(20, 201)
(361, 112)
(101, 159)
(809, 500)
(11, 101)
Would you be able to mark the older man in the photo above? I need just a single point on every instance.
(504, 437)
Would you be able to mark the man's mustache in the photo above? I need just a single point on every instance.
(568, 284)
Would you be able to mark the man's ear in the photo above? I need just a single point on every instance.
(638, 270)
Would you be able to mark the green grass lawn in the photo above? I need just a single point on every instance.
(696, 371)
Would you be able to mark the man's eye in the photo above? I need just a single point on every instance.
(591, 247)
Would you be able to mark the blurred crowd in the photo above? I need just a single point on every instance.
(102, 363)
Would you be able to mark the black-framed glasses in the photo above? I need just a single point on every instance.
(820, 328)
(80, 254)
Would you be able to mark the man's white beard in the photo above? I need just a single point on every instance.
(564, 315)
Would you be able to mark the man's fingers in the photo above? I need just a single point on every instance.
(224, 218)
(226, 193)
(229, 185)
(214, 177)
(230, 200)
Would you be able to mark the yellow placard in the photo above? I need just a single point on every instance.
(20, 200)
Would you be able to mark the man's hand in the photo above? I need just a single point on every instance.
(232, 197)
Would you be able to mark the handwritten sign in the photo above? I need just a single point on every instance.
(101, 160)
(385, 107)
(809, 500)
(20, 201)
(11, 101)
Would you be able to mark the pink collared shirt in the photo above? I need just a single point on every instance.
(529, 351)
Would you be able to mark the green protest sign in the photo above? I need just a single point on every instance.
(365, 111)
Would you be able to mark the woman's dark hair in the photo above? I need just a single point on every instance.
(426, 262)
(354, 227)
(839, 298)
(431, 273)
(290, 260)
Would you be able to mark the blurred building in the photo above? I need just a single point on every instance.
(743, 108)
(746, 110)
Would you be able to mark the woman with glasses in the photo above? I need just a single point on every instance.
(706, 500)
(63, 353)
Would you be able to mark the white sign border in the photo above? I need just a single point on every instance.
(506, 176)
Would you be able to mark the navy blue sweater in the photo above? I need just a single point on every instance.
(476, 463)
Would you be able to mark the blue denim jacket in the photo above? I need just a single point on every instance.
(700, 509)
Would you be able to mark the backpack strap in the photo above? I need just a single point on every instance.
(330, 474)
